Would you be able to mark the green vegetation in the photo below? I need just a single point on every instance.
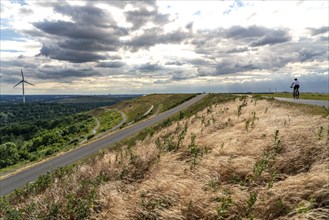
(25, 142)
(311, 96)
(108, 119)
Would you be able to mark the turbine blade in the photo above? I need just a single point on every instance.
(18, 84)
(22, 75)
(29, 83)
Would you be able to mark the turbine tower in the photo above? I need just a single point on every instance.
(23, 81)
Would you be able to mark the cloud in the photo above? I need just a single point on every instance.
(111, 64)
(273, 37)
(72, 56)
(154, 36)
(86, 15)
(237, 50)
(149, 67)
(240, 32)
(306, 54)
(175, 63)
(58, 73)
(146, 12)
(317, 31)
(227, 67)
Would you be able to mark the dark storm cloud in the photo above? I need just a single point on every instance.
(94, 30)
(54, 72)
(89, 45)
(154, 36)
(317, 31)
(73, 56)
(87, 15)
(143, 14)
(150, 67)
(76, 31)
(112, 64)
(239, 37)
(91, 31)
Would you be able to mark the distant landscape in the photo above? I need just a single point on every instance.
(48, 124)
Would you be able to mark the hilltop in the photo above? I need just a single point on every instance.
(226, 158)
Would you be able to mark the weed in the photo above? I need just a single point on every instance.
(194, 150)
(305, 206)
(271, 181)
(225, 204)
(260, 166)
(158, 143)
(151, 202)
(203, 120)
(241, 106)
(277, 143)
(250, 203)
(213, 184)
(281, 207)
(266, 110)
(320, 133)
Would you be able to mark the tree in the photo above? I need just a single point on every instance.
(8, 154)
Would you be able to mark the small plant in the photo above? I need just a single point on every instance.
(320, 133)
(271, 181)
(305, 206)
(260, 166)
(213, 184)
(225, 204)
(277, 143)
(281, 208)
(250, 203)
(266, 110)
(194, 150)
(247, 123)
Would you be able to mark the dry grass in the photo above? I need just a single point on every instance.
(263, 161)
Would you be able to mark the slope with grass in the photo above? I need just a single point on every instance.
(246, 158)
(135, 109)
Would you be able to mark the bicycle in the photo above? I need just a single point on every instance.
(295, 93)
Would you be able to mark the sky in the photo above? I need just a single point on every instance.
(126, 47)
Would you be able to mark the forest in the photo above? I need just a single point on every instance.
(35, 130)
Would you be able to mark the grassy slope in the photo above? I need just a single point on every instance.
(136, 108)
(250, 159)
(311, 96)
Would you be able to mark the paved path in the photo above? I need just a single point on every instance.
(306, 101)
(19, 179)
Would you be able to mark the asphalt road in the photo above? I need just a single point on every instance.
(306, 101)
(20, 179)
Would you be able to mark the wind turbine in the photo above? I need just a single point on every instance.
(23, 81)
